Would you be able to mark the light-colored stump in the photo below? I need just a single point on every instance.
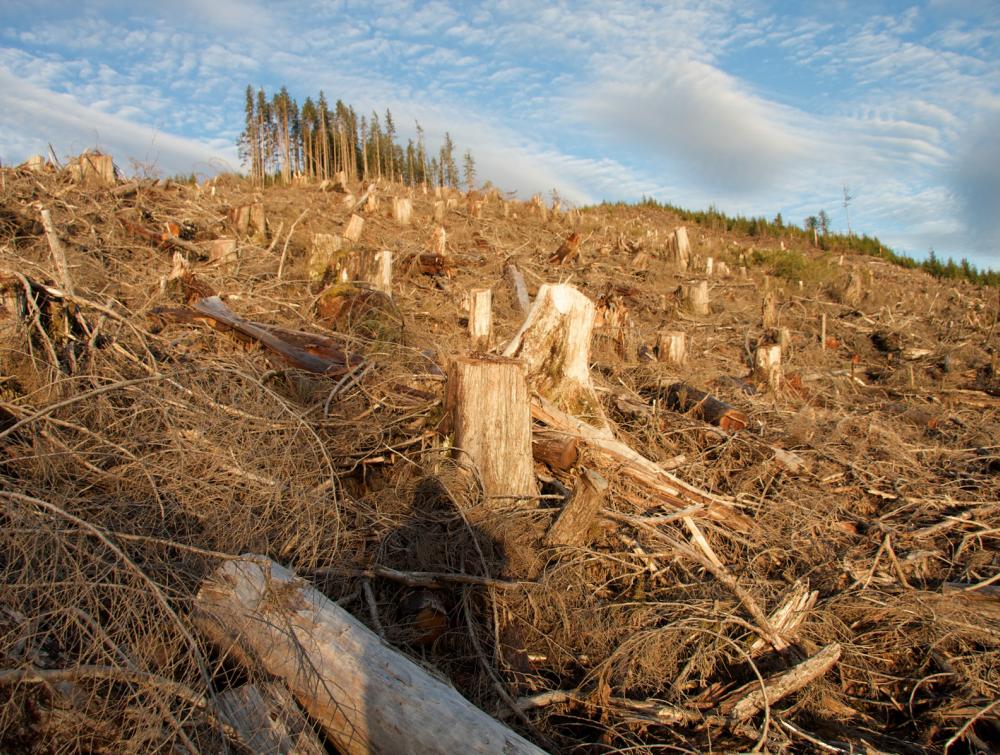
(554, 343)
(679, 248)
(769, 310)
(354, 227)
(767, 365)
(709, 267)
(696, 296)
(671, 347)
(439, 240)
(481, 318)
(491, 415)
(326, 248)
(439, 211)
(382, 275)
(402, 209)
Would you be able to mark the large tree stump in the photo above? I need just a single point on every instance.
(367, 697)
(93, 169)
(671, 347)
(679, 248)
(767, 365)
(481, 318)
(696, 296)
(554, 343)
(354, 227)
(402, 209)
(491, 415)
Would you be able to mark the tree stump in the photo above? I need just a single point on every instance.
(93, 169)
(696, 295)
(481, 318)
(576, 520)
(354, 227)
(767, 365)
(554, 343)
(326, 249)
(520, 289)
(402, 209)
(439, 211)
(709, 266)
(679, 248)
(439, 240)
(491, 415)
(769, 310)
(382, 276)
(671, 347)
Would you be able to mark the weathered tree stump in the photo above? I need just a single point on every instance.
(679, 248)
(481, 318)
(696, 296)
(767, 365)
(671, 347)
(578, 516)
(402, 209)
(491, 416)
(354, 227)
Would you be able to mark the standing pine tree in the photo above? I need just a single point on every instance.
(469, 165)
(390, 138)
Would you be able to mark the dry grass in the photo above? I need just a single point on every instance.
(135, 459)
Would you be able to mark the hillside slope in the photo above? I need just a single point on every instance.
(143, 443)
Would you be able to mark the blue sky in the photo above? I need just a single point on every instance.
(757, 107)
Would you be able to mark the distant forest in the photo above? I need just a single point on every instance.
(817, 228)
(282, 139)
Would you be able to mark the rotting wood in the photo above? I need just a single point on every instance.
(481, 319)
(567, 251)
(268, 720)
(366, 696)
(520, 290)
(689, 400)
(787, 617)
(575, 521)
(491, 416)
(658, 482)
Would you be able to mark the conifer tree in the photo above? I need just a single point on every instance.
(469, 165)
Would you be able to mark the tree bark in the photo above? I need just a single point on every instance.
(367, 697)
(491, 416)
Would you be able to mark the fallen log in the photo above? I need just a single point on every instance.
(688, 400)
(672, 491)
(366, 696)
(306, 351)
(268, 720)
(558, 450)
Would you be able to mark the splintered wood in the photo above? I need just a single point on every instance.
(481, 318)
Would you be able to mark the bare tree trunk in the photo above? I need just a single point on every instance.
(491, 416)
(367, 697)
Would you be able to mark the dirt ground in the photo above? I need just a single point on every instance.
(141, 448)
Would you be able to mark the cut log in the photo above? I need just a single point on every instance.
(767, 365)
(354, 227)
(579, 514)
(491, 416)
(481, 319)
(367, 697)
(696, 296)
(402, 210)
(520, 290)
(659, 483)
(554, 343)
(679, 248)
(431, 263)
(268, 720)
(671, 347)
(558, 450)
(683, 398)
